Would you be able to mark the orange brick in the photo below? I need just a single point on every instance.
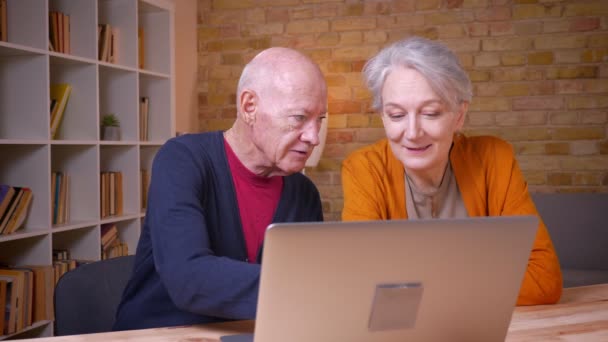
(339, 66)
(527, 27)
(535, 177)
(536, 11)
(595, 55)
(486, 89)
(526, 1)
(529, 148)
(277, 3)
(339, 93)
(586, 179)
(487, 60)
(507, 44)
(403, 6)
(320, 55)
(265, 29)
(569, 86)
(466, 59)
(277, 15)
(584, 24)
(598, 41)
(428, 4)
(255, 16)
(526, 133)
(579, 133)
(594, 117)
(351, 38)
(377, 8)
(530, 118)
(217, 124)
(307, 26)
(429, 33)
(207, 33)
(480, 119)
(232, 4)
(598, 163)
(541, 88)
(325, 10)
(357, 120)
(376, 121)
(557, 148)
(475, 3)
(357, 66)
(451, 31)
(354, 10)
(588, 102)
(335, 80)
(560, 42)
(586, 9)
(501, 28)
(585, 147)
(556, 25)
(442, 18)
(572, 72)
(301, 13)
(463, 45)
(369, 135)
(479, 75)
(478, 29)
(568, 56)
(489, 104)
(508, 74)
(404, 21)
(538, 102)
(353, 24)
(563, 118)
(604, 147)
(559, 178)
(493, 14)
(374, 37)
(330, 191)
(511, 59)
(343, 107)
(336, 121)
(340, 136)
(540, 58)
(361, 52)
(361, 93)
(539, 162)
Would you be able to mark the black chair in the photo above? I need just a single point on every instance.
(87, 297)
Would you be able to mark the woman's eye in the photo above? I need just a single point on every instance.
(395, 116)
(431, 114)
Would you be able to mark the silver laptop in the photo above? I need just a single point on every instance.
(381, 281)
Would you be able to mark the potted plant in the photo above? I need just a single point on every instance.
(110, 127)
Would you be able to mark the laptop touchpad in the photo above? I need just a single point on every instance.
(395, 306)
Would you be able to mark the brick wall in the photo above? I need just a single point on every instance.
(539, 69)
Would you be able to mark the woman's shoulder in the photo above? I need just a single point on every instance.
(483, 145)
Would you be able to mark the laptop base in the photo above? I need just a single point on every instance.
(237, 338)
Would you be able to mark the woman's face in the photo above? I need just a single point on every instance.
(418, 125)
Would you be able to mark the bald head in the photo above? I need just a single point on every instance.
(278, 68)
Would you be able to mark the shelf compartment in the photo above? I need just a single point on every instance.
(119, 14)
(23, 88)
(158, 92)
(120, 158)
(34, 250)
(80, 163)
(128, 232)
(156, 24)
(83, 32)
(28, 166)
(118, 95)
(27, 32)
(83, 243)
(79, 120)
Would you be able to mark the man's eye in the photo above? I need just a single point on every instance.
(299, 118)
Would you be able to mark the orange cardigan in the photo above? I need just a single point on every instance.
(490, 183)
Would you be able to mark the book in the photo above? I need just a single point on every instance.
(3, 21)
(11, 305)
(20, 213)
(11, 209)
(61, 93)
(140, 45)
(6, 195)
(3, 301)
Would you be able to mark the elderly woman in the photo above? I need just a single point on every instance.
(427, 169)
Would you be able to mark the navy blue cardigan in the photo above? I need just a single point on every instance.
(191, 261)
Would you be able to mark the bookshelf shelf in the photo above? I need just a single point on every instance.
(30, 154)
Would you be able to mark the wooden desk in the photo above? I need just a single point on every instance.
(581, 315)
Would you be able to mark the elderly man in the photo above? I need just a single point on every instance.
(213, 194)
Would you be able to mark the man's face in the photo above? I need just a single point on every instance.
(287, 123)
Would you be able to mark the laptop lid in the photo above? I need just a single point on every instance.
(380, 281)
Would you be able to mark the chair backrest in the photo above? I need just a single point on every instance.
(87, 297)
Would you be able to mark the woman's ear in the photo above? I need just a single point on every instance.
(248, 104)
(460, 116)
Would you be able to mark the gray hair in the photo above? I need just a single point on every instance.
(433, 60)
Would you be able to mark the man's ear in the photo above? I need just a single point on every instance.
(248, 104)
(460, 116)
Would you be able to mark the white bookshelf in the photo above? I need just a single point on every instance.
(28, 155)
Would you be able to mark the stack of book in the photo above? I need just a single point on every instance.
(107, 37)
(60, 197)
(26, 296)
(3, 19)
(59, 32)
(59, 100)
(143, 118)
(14, 204)
(111, 194)
(111, 246)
